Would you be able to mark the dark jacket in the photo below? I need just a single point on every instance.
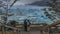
(27, 23)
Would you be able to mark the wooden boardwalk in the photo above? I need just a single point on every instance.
(31, 32)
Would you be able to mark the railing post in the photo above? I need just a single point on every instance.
(49, 29)
(2, 30)
(44, 32)
(14, 31)
(18, 31)
(41, 31)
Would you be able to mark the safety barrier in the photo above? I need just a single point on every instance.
(48, 27)
(15, 30)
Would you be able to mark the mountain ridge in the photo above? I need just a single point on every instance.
(40, 3)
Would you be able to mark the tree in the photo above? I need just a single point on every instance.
(53, 3)
(6, 9)
(0, 12)
(50, 16)
(13, 3)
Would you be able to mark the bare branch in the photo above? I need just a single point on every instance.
(13, 3)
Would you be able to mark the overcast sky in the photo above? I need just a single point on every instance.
(28, 1)
(22, 2)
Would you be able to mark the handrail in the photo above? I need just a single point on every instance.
(3, 25)
(32, 25)
(51, 25)
(14, 28)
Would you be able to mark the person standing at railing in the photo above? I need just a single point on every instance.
(12, 24)
(26, 25)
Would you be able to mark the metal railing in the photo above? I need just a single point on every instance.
(15, 29)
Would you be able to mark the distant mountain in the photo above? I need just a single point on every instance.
(40, 3)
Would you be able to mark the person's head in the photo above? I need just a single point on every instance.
(26, 20)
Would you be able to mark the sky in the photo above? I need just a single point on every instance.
(22, 2)
(18, 2)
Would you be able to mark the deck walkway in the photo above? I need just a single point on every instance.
(31, 32)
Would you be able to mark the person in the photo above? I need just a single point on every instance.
(12, 24)
(26, 25)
